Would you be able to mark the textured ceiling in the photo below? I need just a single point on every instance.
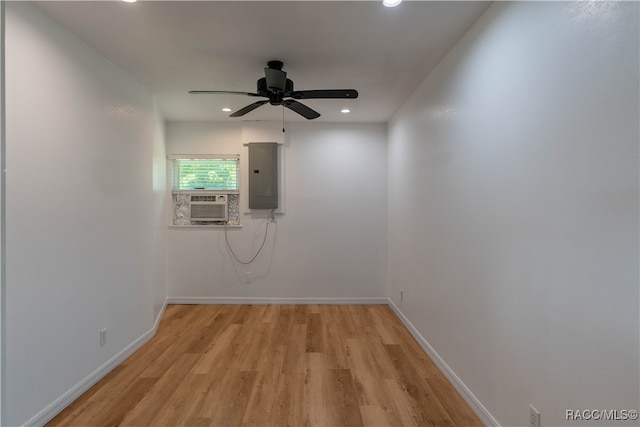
(171, 47)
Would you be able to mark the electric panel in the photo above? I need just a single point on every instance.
(263, 175)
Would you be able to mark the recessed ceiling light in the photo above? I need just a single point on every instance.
(129, 1)
(226, 109)
(345, 111)
(391, 3)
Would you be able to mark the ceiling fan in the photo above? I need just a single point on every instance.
(278, 89)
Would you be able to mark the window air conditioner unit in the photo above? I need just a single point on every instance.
(209, 207)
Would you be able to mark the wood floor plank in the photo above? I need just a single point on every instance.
(257, 350)
(163, 390)
(314, 411)
(271, 354)
(384, 324)
(216, 354)
(287, 404)
(231, 408)
(125, 403)
(219, 382)
(344, 318)
(314, 339)
(366, 377)
(283, 323)
(343, 400)
(274, 366)
(186, 397)
(375, 416)
(295, 350)
(270, 313)
(197, 422)
(261, 398)
(203, 337)
(426, 405)
(335, 348)
(300, 314)
(452, 402)
(402, 406)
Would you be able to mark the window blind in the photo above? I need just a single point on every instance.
(206, 174)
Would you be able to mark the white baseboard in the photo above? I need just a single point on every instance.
(476, 406)
(257, 301)
(48, 413)
(159, 316)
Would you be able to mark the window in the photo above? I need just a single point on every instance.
(205, 189)
(218, 174)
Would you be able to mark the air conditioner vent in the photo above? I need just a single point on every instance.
(201, 198)
(209, 207)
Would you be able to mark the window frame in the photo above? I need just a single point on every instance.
(172, 180)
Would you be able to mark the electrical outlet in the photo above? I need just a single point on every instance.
(534, 417)
(103, 337)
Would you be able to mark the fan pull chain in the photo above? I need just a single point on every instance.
(283, 119)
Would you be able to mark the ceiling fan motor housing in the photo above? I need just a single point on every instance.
(275, 97)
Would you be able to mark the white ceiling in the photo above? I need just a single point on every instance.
(171, 47)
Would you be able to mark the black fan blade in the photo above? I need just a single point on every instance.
(221, 92)
(325, 94)
(301, 109)
(247, 109)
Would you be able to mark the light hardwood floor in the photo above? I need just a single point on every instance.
(272, 366)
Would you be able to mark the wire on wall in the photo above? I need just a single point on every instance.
(264, 239)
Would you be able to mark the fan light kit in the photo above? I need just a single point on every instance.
(391, 3)
(278, 89)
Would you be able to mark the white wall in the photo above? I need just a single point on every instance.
(513, 209)
(159, 215)
(2, 217)
(329, 243)
(82, 212)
